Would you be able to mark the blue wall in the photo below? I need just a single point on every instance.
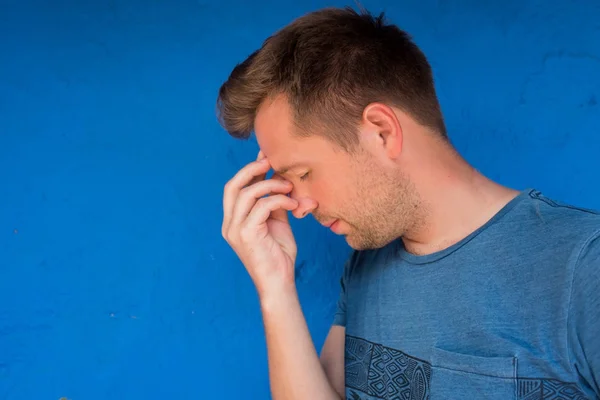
(114, 279)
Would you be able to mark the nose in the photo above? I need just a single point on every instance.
(306, 204)
(305, 207)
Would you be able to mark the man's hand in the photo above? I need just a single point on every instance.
(256, 226)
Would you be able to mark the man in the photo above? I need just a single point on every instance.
(458, 287)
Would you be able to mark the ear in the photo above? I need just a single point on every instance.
(381, 121)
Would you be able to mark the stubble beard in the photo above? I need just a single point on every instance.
(386, 207)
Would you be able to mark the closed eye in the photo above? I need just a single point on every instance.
(303, 177)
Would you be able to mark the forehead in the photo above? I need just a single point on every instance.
(275, 135)
(274, 131)
(273, 126)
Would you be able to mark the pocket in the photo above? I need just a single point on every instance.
(456, 376)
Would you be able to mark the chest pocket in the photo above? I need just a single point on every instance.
(457, 376)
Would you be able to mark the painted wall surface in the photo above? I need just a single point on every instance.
(115, 282)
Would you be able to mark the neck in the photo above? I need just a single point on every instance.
(454, 200)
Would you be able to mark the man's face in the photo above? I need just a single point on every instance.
(367, 202)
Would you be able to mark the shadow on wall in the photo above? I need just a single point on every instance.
(114, 279)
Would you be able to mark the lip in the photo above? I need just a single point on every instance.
(330, 223)
(334, 225)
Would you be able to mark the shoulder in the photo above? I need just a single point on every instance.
(575, 233)
(563, 223)
(553, 211)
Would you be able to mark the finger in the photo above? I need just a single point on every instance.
(282, 215)
(249, 196)
(261, 156)
(281, 178)
(266, 206)
(241, 179)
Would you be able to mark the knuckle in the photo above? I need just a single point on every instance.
(265, 201)
(229, 234)
(244, 192)
(227, 187)
(246, 234)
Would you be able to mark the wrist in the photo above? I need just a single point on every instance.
(278, 297)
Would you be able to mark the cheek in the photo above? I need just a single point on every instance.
(327, 191)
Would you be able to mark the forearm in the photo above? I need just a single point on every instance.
(295, 371)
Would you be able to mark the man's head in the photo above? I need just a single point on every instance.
(335, 98)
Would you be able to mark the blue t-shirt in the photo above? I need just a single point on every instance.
(510, 312)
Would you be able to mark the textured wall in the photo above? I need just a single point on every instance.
(114, 280)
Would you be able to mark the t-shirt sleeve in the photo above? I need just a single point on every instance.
(339, 317)
(584, 315)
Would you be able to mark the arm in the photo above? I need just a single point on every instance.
(295, 371)
(334, 348)
(256, 226)
(332, 358)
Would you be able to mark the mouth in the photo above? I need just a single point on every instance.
(330, 223)
(334, 226)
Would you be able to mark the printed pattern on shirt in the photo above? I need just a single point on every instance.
(375, 372)
(384, 373)
(547, 389)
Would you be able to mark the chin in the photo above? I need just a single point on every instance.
(357, 245)
(362, 245)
